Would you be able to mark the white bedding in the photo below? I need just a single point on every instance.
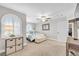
(40, 37)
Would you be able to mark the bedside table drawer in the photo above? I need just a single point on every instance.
(10, 42)
(19, 40)
(19, 47)
(10, 50)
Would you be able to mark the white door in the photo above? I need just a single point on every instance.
(78, 33)
(78, 29)
(62, 29)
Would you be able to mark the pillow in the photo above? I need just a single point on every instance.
(31, 37)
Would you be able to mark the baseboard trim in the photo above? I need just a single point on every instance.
(1, 51)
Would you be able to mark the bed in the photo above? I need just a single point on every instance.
(36, 37)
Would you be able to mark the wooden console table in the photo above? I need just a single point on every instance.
(72, 46)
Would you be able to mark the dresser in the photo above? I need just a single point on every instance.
(72, 46)
(13, 45)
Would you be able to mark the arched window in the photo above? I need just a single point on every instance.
(10, 25)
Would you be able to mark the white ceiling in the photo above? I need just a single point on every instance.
(33, 10)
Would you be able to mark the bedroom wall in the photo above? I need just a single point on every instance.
(58, 29)
(76, 27)
(4, 11)
(49, 32)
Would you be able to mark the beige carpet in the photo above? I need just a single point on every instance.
(46, 48)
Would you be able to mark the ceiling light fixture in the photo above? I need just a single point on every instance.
(44, 18)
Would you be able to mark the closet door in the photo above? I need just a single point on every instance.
(62, 29)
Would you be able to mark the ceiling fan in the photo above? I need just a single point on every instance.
(44, 18)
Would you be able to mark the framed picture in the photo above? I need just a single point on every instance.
(45, 26)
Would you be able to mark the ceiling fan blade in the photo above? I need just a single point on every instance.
(48, 18)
